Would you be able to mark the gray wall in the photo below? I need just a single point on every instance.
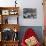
(37, 29)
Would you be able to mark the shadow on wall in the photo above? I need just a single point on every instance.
(37, 29)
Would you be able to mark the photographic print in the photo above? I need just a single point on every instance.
(29, 13)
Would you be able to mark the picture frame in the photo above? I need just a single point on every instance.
(13, 12)
(29, 13)
(5, 12)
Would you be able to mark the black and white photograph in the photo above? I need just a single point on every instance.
(29, 13)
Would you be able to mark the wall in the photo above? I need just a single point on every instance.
(31, 4)
(27, 4)
(7, 3)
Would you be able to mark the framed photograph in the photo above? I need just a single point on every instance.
(5, 12)
(29, 13)
(13, 12)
